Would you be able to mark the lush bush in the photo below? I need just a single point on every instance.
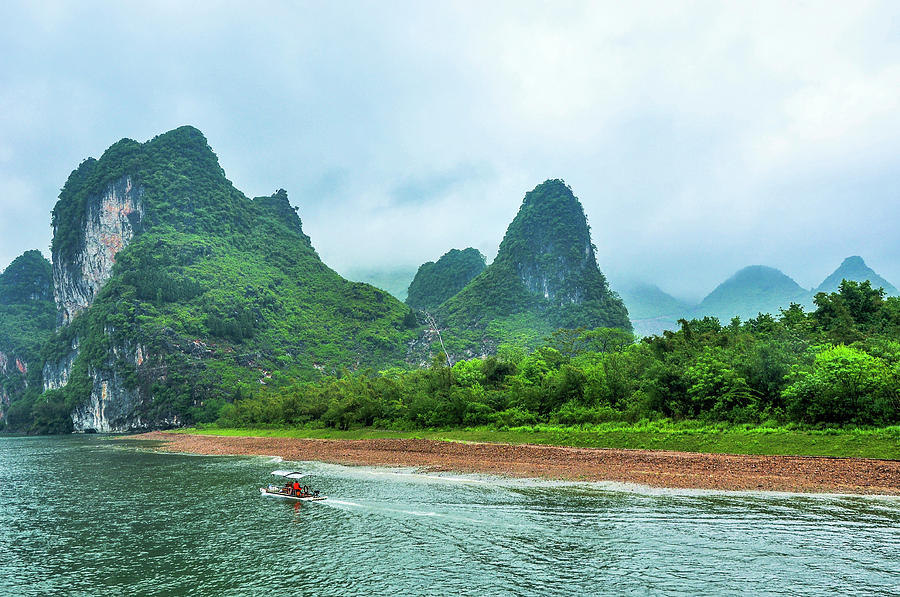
(768, 369)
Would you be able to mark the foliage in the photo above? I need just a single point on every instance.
(436, 282)
(766, 370)
(27, 279)
(27, 317)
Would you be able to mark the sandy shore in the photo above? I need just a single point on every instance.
(653, 468)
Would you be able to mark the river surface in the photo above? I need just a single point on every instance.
(90, 516)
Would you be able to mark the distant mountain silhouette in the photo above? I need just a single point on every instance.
(752, 290)
(854, 268)
(649, 300)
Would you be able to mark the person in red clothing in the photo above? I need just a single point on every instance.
(296, 487)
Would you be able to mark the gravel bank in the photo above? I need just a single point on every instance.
(645, 467)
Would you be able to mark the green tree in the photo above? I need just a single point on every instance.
(844, 385)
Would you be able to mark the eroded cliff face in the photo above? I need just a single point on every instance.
(55, 375)
(551, 275)
(111, 221)
(13, 377)
(115, 405)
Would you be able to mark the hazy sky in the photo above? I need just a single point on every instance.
(700, 137)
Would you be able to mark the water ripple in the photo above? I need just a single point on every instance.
(82, 516)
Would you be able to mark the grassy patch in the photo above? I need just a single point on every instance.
(684, 436)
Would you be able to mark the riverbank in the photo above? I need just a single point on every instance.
(682, 436)
(645, 467)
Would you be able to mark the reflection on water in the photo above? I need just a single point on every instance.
(82, 515)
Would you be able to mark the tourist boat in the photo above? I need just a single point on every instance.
(287, 492)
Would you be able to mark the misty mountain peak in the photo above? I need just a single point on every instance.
(752, 290)
(854, 268)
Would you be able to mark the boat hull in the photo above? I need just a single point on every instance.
(293, 498)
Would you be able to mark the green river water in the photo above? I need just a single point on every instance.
(89, 516)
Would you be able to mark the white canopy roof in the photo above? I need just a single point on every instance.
(288, 474)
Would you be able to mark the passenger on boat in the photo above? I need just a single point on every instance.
(296, 487)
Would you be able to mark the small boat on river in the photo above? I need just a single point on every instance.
(291, 490)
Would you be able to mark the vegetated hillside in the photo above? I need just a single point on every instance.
(651, 309)
(752, 290)
(837, 365)
(545, 277)
(394, 281)
(27, 317)
(855, 269)
(176, 293)
(436, 282)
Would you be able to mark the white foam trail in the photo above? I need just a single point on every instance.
(342, 503)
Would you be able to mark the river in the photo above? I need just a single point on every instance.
(83, 515)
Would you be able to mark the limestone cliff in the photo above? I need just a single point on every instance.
(11, 367)
(110, 221)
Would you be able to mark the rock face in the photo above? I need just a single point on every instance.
(549, 243)
(111, 220)
(55, 374)
(114, 406)
(5, 370)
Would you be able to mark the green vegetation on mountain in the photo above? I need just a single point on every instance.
(28, 278)
(753, 290)
(545, 277)
(220, 309)
(436, 282)
(27, 312)
(838, 365)
(856, 270)
(27, 317)
(223, 293)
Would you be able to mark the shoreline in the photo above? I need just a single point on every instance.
(660, 469)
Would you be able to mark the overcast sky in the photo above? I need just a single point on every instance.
(700, 137)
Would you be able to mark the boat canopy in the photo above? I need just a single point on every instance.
(288, 474)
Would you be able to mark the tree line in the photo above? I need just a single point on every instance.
(838, 364)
